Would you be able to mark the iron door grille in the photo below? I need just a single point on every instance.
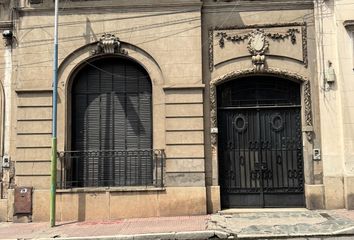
(260, 142)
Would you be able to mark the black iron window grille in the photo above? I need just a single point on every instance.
(111, 168)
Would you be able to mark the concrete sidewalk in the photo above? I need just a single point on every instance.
(284, 223)
(106, 229)
(231, 224)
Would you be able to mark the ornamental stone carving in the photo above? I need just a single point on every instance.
(304, 45)
(109, 44)
(260, 41)
(257, 43)
(308, 110)
(257, 46)
(211, 50)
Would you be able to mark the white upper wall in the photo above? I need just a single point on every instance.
(344, 11)
(335, 44)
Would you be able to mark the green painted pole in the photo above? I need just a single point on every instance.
(53, 179)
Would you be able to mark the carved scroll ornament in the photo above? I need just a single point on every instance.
(109, 44)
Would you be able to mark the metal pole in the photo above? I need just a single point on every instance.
(54, 120)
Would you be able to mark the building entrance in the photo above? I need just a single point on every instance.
(260, 143)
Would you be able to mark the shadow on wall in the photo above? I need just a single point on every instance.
(350, 202)
(82, 207)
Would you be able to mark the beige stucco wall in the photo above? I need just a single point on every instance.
(234, 60)
(115, 204)
(171, 40)
(165, 38)
(336, 101)
(344, 11)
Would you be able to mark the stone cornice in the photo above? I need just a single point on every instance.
(34, 91)
(6, 25)
(268, 25)
(214, 5)
(184, 86)
(121, 5)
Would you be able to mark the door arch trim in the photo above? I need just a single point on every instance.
(306, 111)
(306, 96)
(83, 54)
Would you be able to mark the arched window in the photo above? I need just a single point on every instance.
(111, 127)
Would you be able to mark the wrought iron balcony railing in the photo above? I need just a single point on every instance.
(111, 168)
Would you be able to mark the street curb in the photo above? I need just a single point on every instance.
(210, 234)
(339, 233)
(345, 231)
(194, 235)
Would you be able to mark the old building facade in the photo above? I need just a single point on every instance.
(177, 107)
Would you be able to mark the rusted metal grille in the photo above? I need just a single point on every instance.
(111, 168)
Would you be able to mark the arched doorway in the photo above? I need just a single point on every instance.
(260, 143)
(111, 124)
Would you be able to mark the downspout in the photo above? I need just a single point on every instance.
(5, 151)
(7, 100)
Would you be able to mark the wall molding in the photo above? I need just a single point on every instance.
(253, 27)
(121, 5)
(6, 25)
(243, 5)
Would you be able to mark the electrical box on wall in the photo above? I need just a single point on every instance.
(316, 154)
(5, 161)
(330, 74)
(23, 200)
